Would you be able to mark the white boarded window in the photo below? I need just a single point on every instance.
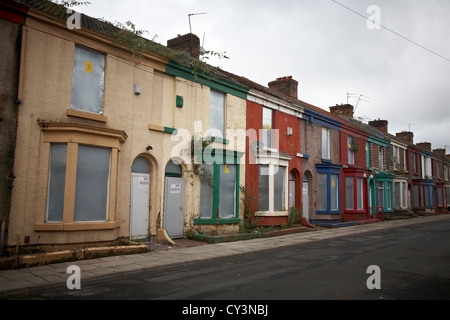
(325, 143)
(381, 194)
(323, 190)
(206, 191)
(349, 193)
(88, 81)
(57, 182)
(279, 192)
(359, 193)
(92, 184)
(263, 188)
(334, 191)
(217, 114)
(227, 196)
(267, 127)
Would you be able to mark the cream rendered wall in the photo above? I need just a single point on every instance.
(47, 86)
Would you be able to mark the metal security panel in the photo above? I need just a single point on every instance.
(174, 207)
(139, 212)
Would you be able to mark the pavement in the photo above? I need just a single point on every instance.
(24, 281)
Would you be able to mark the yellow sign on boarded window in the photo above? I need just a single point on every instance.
(89, 67)
(332, 183)
(227, 170)
(267, 127)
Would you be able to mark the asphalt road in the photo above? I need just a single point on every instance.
(414, 264)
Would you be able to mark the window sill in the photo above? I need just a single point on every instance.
(86, 115)
(217, 221)
(354, 211)
(334, 212)
(82, 226)
(272, 213)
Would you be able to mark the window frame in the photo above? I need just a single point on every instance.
(330, 170)
(226, 158)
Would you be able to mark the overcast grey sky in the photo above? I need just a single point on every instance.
(327, 48)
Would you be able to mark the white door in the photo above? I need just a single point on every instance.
(139, 218)
(305, 200)
(174, 207)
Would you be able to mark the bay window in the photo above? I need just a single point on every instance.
(272, 188)
(82, 188)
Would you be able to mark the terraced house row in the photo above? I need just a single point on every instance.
(100, 144)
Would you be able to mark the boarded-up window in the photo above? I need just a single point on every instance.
(57, 183)
(88, 81)
(227, 197)
(349, 193)
(279, 191)
(92, 184)
(206, 191)
(323, 190)
(263, 188)
(217, 114)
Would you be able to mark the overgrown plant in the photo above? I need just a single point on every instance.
(293, 216)
(128, 35)
(197, 169)
(250, 202)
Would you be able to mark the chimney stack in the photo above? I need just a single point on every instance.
(285, 85)
(424, 145)
(440, 152)
(406, 136)
(343, 109)
(188, 43)
(381, 125)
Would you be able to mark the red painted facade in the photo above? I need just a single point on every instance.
(287, 144)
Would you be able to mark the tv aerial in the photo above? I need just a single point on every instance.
(361, 97)
(193, 14)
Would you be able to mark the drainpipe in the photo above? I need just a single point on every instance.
(21, 65)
